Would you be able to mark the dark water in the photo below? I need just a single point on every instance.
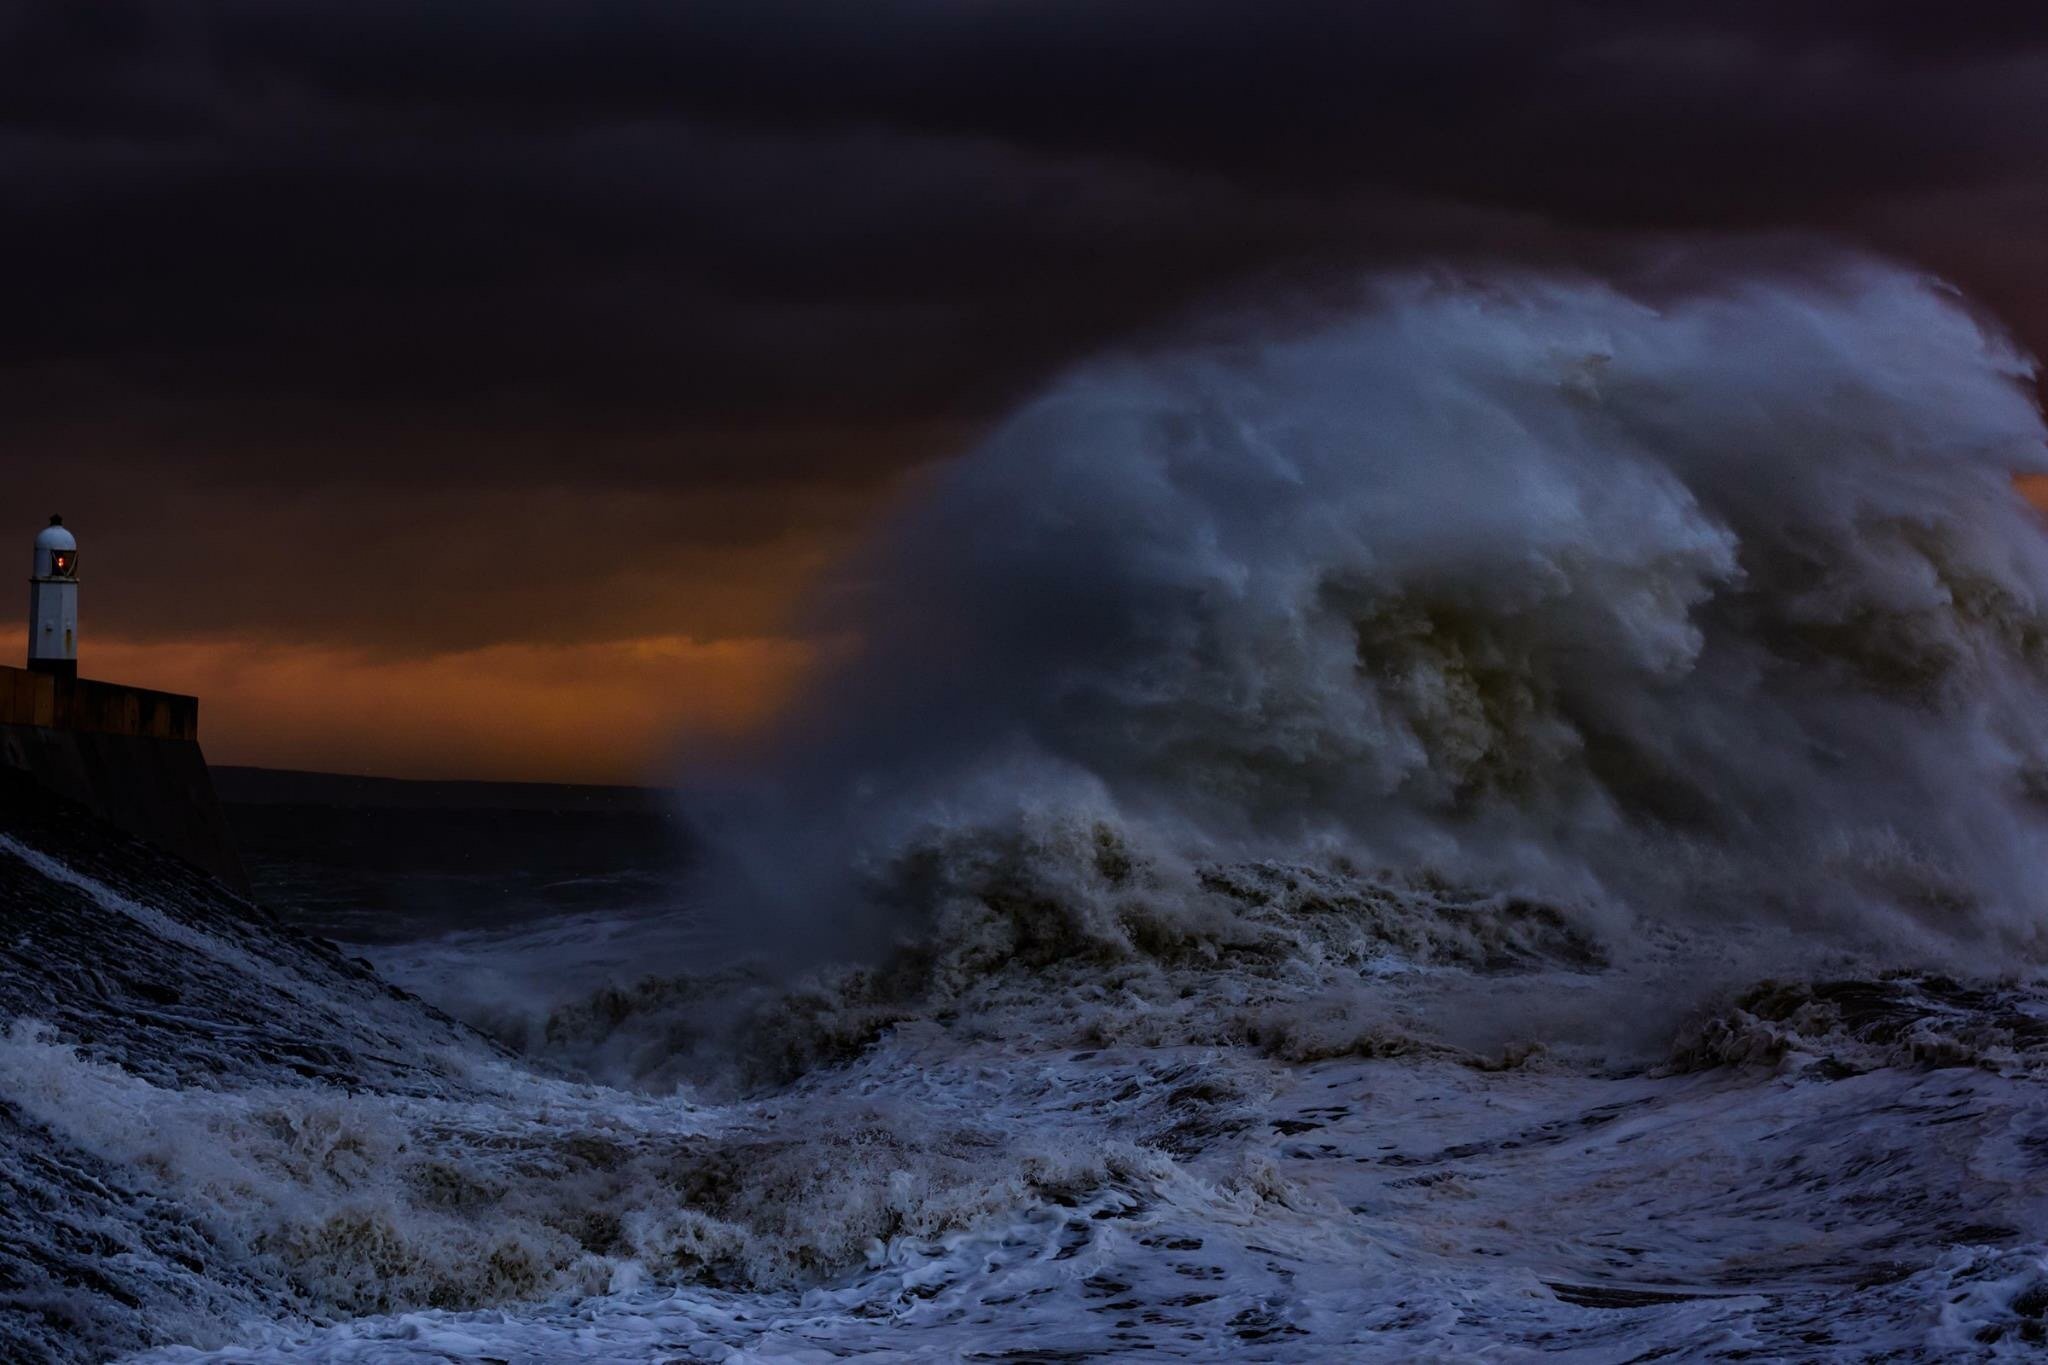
(222, 1141)
(378, 861)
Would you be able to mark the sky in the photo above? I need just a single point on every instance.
(468, 389)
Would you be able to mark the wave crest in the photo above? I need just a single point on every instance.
(1717, 602)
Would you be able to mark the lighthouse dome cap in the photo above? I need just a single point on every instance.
(55, 537)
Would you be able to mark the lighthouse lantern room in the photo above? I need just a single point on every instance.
(53, 603)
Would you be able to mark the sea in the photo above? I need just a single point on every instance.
(1492, 817)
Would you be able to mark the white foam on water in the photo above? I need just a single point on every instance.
(1400, 1210)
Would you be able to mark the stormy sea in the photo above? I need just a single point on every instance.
(1499, 816)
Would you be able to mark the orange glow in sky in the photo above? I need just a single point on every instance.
(609, 711)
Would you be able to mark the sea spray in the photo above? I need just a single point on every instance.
(1721, 604)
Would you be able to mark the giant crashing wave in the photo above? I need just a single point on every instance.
(1284, 870)
(1713, 604)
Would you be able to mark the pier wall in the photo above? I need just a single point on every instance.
(128, 754)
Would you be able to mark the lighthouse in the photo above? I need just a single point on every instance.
(53, 603)
(129, 755)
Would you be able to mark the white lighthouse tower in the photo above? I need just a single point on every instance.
(53, 603)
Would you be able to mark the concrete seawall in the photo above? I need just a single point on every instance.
(128, 754)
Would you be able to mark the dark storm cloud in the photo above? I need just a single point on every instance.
(446, 273)
(1471, 95)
